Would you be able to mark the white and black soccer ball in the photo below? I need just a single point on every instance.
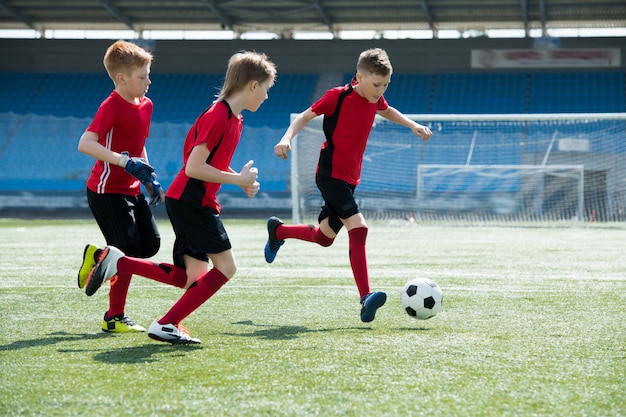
(422, 298)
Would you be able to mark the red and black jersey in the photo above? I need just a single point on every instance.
(121, 126)
(348, 120)
(220, 129)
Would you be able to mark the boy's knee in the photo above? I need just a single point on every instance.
(229, 271)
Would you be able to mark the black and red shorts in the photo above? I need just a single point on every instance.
(339, 202)
(199, 231)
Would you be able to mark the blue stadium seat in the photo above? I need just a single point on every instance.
(17, 90)
(479, 93)
(42, 116)
(586, 92)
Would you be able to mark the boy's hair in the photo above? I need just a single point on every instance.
(246, 66)
(374, 61)
(125, 56)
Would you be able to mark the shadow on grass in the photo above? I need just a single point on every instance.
(147, 353)
(123, 355)
(271, 332)
(51, 339)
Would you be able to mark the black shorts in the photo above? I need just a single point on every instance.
(339, 202)
(126, 222)
(199, 231)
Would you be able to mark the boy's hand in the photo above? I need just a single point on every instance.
(154, 188)
(281, 149)
(252, 190)
(423, 132)
(248, 175)
(137, 167)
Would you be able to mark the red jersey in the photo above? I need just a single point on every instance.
(220, 129)
(348, 120)
(121, 126)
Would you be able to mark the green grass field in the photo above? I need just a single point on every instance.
(533, 324)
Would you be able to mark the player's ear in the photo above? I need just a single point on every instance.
(253, 85)
(120, 78)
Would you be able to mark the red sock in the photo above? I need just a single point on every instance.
(118, 293)
(200, 291)
(306, 232)
(358, 259)
(162, 272)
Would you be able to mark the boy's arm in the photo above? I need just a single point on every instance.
(89, 145)
(197, 168)
(137, 167)
(284, 146)
(393, 115)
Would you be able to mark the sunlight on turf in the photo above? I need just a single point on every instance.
(532, 324)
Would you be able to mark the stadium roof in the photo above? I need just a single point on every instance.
(286, 16)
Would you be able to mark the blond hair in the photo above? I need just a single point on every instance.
(374, 61)
(125, 57)
(244, 67)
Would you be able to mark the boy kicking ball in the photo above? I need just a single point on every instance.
(349, 113)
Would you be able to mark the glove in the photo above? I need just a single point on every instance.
(157, 194)
(137, 167)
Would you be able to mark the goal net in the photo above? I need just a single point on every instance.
(527, 167)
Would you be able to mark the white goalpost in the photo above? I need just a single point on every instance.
(504, 167)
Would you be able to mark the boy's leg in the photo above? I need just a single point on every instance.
(196, 295)
(305, 232)
(168, 328)
(116, 217)
(277, 232)
(142, 240)
(341, 205)
(200, 238)
(358, 259)
(106, 270)
(161, 272)
(357, 237)
(126, 267)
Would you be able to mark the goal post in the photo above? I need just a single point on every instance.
(481, 167)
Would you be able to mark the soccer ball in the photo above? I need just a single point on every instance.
(422, 298)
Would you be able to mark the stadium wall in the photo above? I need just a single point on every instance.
(296, 56)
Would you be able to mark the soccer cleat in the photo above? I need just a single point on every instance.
(273, 244)
(370, 303)
(175, 334)
(120, 324)
(105, 269)
(89, 261)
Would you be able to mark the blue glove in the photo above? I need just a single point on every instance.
(158, 196)
(139, 168)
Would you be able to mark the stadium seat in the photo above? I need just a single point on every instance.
(50, 112)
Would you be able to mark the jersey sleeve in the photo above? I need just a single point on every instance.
(327, 103)
(103, 120)
(382, 104)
